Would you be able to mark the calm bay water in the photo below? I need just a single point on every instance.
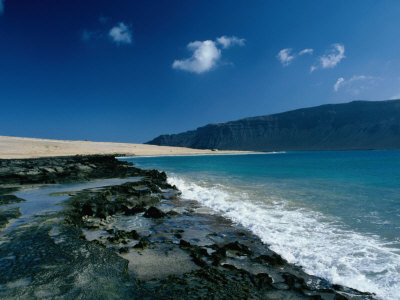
(336, 213)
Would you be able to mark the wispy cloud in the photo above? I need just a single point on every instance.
(331, 58)
(121, 34)
(285, 56)
(206, 54)
(306, 51)
(353, 83)
(229, 41)
(2, 6)
(338, 83)
(88, 35)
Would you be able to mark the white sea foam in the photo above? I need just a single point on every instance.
(321, 245)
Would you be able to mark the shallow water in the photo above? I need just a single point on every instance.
(47, 198)
(334, 213)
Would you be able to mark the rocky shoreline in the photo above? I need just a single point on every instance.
(134, 239)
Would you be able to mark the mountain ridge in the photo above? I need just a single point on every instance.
(347, 126)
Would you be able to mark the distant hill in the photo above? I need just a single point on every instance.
(349, 126)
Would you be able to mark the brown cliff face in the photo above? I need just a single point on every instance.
(349, 126)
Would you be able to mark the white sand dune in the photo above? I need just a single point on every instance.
(19, 147)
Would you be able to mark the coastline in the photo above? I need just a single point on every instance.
(20, 147)
(143, 228)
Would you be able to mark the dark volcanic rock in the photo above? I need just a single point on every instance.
(154, 212)
(71, 169)
(143, 243)
(8, 190)
(8, 199)
(354, 125)
(8, 214)
(238, 248)
(120, 199)
(70, 268)
(272, 260)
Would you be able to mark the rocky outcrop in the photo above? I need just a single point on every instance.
(67, 169)
(349, 126)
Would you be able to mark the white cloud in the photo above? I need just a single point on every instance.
(206, 54)
(306, 51)
(205, 57)
(121, 34)
(2, 6)
(338, 83)
(341, 82)
(331, 59)
(229, 41)
(285, 56)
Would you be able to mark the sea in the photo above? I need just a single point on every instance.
(334, 213)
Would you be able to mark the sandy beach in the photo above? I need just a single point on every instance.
(20, 147)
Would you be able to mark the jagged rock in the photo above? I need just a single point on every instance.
(272, 260)
(239, 248)
(134, 235)
(8, 214)
(8, 199)
(123, 250)
(154, 212)
(143, 243)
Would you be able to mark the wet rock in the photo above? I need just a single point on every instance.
(238, 248)
(9, 199)
(272, 260)
(8, 190)
(154, 212)
(123, 250)
(87, 210)
(119, 236)
(134, 235)
(197, 253)
(7, 214)
(100, 243)
(184, 244)
(72, 169)
(262, 281)
(134, 210)
(61, 266)
(172, 213)
(294, 282)
(228, 266)
(197, 259)
(143, 243)
(218, 256)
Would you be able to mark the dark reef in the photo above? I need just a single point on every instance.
(139, 240)
(350, 126)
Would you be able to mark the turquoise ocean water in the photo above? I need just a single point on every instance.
(335, 213)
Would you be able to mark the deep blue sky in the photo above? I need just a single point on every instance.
(105, 71)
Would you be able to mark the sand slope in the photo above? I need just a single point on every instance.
(18, 147)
